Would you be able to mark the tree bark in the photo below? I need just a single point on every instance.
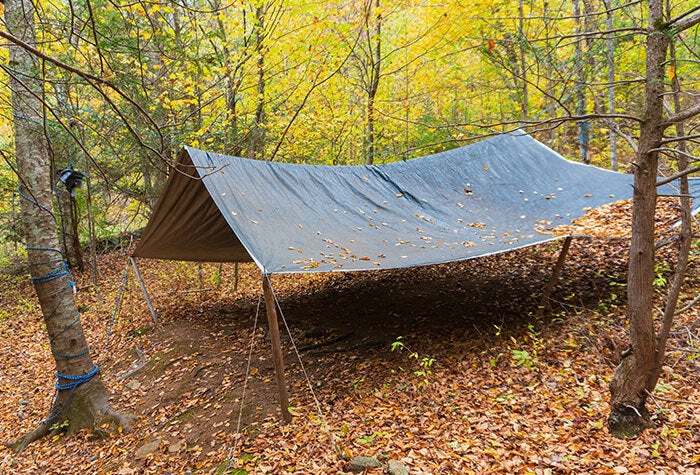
(85, 406)
(67, 205)
(232, 85)
(551, 84)
(685, 235)
(256, 145)
(630, 383)
(611, 81)
(581, 82)
(375, 70)
(523, 70)
(69, 228)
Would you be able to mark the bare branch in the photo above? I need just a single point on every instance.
(91, 78)
(628, 138)
(689, 306)
(684, 114)
(685, 172)
(315, 84)
(678, 401)
(680, 138)
(673, 150)
(58, 119)
(685, 20)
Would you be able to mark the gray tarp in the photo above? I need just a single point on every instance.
(473, 201)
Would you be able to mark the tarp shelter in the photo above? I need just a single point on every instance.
(481, 199)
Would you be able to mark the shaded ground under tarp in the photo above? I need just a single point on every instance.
(481, 199)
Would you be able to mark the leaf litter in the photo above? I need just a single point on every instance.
(477, 384)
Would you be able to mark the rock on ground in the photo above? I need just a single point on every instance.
(395, 467)
(360, 463)
(176, 447)
(146, 450)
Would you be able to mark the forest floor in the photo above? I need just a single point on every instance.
(444, 368)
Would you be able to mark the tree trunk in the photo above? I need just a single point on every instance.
(257, 134)
(523, 70)
(67, 206)
(375, 70)
(686, 236)
(83, 406)
(232, 86)
(69, 228)
(611, 81)
(84, 165)
(154, 169)
(550, 134)
(580, 83)
(630, 383)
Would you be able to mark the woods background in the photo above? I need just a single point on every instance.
(324, 83)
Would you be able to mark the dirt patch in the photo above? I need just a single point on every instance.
(191, 385)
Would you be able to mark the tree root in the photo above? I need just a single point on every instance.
(122, 420)
(626, 421)
(53, 428)
(21, 443)
(86, 408)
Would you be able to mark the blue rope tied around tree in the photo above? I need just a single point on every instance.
(60, 271)
(75, 381)
(40, 206)
(54, 274)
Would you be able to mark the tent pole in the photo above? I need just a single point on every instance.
(218, 275)
(273, 324)
(145, 291)
(235, 279)
(544, 303)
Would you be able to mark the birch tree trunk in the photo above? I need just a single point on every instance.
(84, 406)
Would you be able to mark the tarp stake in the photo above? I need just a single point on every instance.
(273, 324)
(544, 303)
(145, 291)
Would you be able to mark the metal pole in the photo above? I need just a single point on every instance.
(544, 303)
(145, 292)
(276, 348)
